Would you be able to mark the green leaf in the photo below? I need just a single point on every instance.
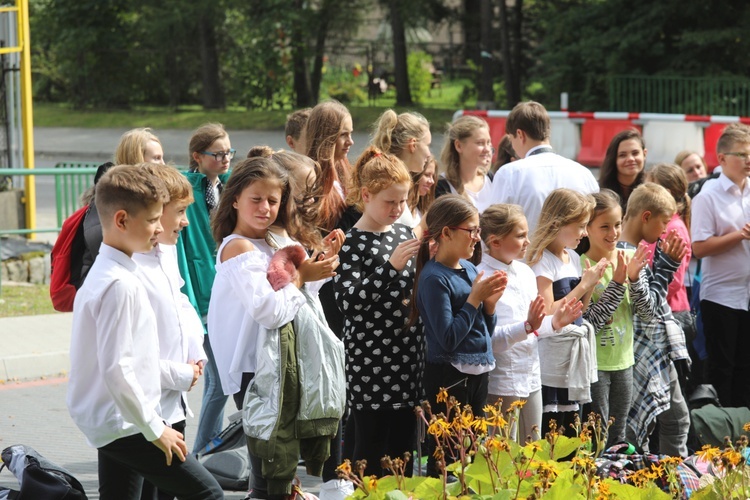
(630, 492)
(431, 487)
(396, 495)
(564, 487)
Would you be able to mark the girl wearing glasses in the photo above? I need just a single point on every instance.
(466, 157)
(456, 304)
(210, 155)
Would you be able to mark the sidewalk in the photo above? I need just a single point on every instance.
(32, 347)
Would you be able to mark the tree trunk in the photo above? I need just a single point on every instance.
(400, 68)
(510, 47)
(486, 93)
(471, 19)
(320, 47)
(213, 97)
(302, 86)
(517, 44)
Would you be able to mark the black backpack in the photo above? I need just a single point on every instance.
(226, 457)
(39, 478)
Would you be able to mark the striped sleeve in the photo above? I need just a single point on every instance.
(599, 312)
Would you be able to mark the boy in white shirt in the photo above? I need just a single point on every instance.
(115, 383)
(178, 325)
(720, 230)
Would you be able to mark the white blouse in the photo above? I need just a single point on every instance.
(517, 371)
(242, 300)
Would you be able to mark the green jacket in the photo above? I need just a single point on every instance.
(196, 248)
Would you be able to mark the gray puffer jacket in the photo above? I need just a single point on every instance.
(322, 382)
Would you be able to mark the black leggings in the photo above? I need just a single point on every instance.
(380, 433)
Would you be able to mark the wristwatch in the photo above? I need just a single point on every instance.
(529, 329)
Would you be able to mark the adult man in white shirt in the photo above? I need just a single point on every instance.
(529, 180)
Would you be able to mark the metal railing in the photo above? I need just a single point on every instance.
(676, 94)
(71, 181)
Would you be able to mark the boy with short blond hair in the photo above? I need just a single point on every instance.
(720, 230)
(659, 343)
(295, 126)
(114, 391)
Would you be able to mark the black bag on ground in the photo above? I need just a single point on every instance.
(226, 457)
(39, 478)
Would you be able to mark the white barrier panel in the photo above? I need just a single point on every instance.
(565, 137)
(665, 139)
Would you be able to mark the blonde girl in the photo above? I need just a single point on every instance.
(139, 145)
(242, 299)
(384, 355)
(520, 318)
(456, 306)
(466, 156)
(407, 136)
(621, 292)
(692, 164)
(561, 226)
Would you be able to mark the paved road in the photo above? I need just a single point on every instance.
(35, 414)
(58, 144)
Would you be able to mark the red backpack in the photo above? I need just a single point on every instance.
(67, 261)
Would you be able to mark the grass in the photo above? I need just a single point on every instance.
(21, 299)
(438, 107)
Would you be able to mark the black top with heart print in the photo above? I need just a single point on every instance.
(384, 362)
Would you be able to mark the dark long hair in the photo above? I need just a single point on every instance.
(608, 173)
(449, 210)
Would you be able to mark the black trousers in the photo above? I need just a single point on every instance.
(124, 463)
(727, 334)
(380, 433)
(469, 390)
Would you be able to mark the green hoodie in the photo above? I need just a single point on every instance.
(196, 248)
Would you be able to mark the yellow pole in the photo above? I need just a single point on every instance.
(27, 118)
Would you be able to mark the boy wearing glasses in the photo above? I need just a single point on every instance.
(720, 230)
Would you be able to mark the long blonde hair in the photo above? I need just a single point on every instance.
(562, 207)
(459, 130)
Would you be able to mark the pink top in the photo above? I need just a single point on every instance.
(676, 294)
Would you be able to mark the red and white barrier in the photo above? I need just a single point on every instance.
(586, 135)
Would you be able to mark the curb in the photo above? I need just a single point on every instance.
(35, 346)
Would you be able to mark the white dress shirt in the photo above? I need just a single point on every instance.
(528, 182)
(721, 208)
(179, 327)
(242, 300)
(517, 371)
(114, 388)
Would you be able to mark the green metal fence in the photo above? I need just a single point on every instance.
(71, 181)
(674, 94)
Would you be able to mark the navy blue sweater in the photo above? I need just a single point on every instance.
(455, 331)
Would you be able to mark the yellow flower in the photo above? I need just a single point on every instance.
(345, 468)
(372, 483)
(439, 428)
(732, 456)
(480, 425)
(709, 453)
(746, 427)
(442, 395)
(517, 404)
